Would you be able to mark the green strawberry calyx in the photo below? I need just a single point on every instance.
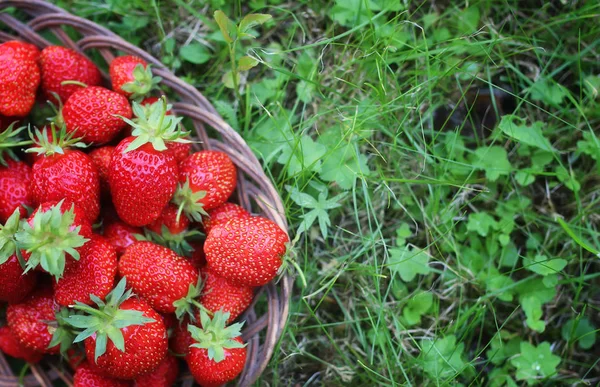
(215, 336)
(107, 319)
(11, 138)
(49, 237)
(154, 126)
(178, 242)
(189, 202)
(143, 82)
(52, 141)
(8, 242)
(185, 306)
(62, 332)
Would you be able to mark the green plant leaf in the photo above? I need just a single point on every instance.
(530, 135)
(581, 331)
(493, 160)
(482, 223)
(194, 53)
(442, 358)
(228, 79)
(246, 63)
(535, 362)
(417, 306)
(408, 261)
(225, 25)
(541, 265)
(532, 295)
(548, 91)
(252, 20)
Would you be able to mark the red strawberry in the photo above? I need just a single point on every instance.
(181, 339)
(142, 182)
(246, 251)
(197, 256)
(120, 235)
(126, 338)
(14, 285)
(92, 113)
(74, 356)
(131, 76)
(218, 294)
(142, 176)
(180, 150)
(101, 159)
(168, 219)
(51, 234)
(30, 320)
(12, 347)
(163, 376)
(61, 64)
(223, 214)
(206, 180)
(169, 232)
(88, 376)
(19, 78)
(158, 275)
(15, 179)
(218, 354)
(68, 175)
(94, 273)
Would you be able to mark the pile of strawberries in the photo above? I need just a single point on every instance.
(119, 250)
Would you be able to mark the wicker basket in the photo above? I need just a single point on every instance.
(255, 190)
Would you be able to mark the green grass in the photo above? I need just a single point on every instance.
(456, 254)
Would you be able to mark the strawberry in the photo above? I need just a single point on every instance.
(88, 376)
(168, 219)
(31, 320)
(131, 76)
(158, 275)
(12, 347)
(101, 159)
(15, 179)
(142, 176)
(19, 78)
(181, 339)
(51, 234)
(124, 337)
(218, 294)
(246, 251)
(197, 256)
(65, 174)
(93, 274)
(14, 285)
(170, 232)
(217, 355)
(60, 64)
(223, 214)
(163, 376)
(180, 150)
(206, 180)
(92, 113)
(120, 235)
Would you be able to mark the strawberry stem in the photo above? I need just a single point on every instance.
(189, 202)
(57, 143)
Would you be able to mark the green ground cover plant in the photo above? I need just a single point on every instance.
(439, 162)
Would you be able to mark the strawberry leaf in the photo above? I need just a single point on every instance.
(9, 139)
(143, 83)
(8, 245)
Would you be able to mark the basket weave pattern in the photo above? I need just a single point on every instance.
(254, 190)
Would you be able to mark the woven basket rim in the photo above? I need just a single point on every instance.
(253, 184)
